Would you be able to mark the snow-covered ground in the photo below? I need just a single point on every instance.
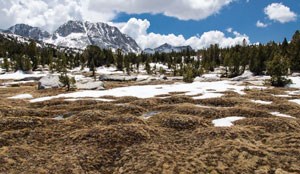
(278, 114)
(21, 75)
(97, 99)
(296, 82)
(22, 96)
(226, 122)
(295, 101)
(262, 102)
(208, 95)
(207, 89)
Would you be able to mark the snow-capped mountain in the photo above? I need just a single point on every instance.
(28, 31)
(167, 48)
(78, 34)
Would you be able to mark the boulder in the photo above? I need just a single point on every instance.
(90, 85)
(175, 78)
(163, 77)
(245, 76)
(119, 78)
(208, 78)
(49, 81)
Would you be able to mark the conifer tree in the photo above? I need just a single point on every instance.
(6, 65)
(32, 53)
(277, 68)
(120, 60)
(188, 74)
(294, 52)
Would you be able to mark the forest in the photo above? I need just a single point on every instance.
(275, 59)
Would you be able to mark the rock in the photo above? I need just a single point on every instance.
(175, 78)
(246, 75)
(163, 77)
(208, 78)
(30, 79)
(49, 81)
(295, 75)
(39, 68)
(90, 85)
(119, 78)
(142, 78)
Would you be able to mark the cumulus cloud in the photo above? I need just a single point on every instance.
(42, 13)
(260, 24)
(137, 29)
(49, 14)
(279, 12)
(181, 9)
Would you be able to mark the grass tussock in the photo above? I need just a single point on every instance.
(179, 122)
(88, 136)
(272, 125)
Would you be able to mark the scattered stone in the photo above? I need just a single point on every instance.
(246, 75)
(49, 81)
(90, 85)
(208, 78)
(119, 78)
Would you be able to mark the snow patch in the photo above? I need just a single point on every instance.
(21, 96)
(295, 101)
(208, 89)
(208, 95)
(20, 75)
(226, 122)
(278, 114)
(262, 102)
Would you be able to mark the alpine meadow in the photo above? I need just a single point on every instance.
(179, 86)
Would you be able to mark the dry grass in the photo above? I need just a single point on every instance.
(113, 137)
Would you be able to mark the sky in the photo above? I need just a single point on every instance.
(151, 23)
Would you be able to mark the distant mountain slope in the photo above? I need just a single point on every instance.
(167, 48)
(28, 31)
(78, 34)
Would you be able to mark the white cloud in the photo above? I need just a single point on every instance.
(49, 14)
(137, 29)
(229, 30)
(260, 24)
(279, 12)
(42, 13)
(181, 9)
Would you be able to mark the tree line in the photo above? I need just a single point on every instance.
(271, 58)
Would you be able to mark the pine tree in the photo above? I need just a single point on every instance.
(277, 68)
(67, 81)
(148, 67)
(188, 75)
(120, 60)
(6, 65)
(294, 50)
(32, 53)
(127, 64)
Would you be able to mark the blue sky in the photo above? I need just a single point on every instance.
(240, 16)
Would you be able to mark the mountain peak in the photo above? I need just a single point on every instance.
(167, 48)
(26, 30)
(79, 34)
